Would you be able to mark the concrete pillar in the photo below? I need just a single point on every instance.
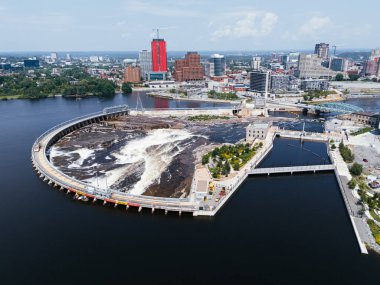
(140, 208)
(152, 210)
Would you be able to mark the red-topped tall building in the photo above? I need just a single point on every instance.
(159, 58)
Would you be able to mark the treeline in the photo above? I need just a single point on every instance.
(222, 96)
(316, 94)
(39, 84)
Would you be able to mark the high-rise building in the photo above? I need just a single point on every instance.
(132, 74)
(292, 60)
(159, 57)
(322, 50)
(256, 63)
(68, 56)
(339, 64)
(189, 68)
(54, 56)
(145, 60)
(375, 54)
(31, 63)
(279, 82)
(216, 65)
(371, 67)
(310, 66)
(260, 82)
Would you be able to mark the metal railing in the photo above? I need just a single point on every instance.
(148, 201)
(293, 169)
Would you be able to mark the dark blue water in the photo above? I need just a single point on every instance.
(276, 230)
(292, 152)
(369, 104)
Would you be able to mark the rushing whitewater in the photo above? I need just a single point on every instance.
(155, 152)
(140, 155)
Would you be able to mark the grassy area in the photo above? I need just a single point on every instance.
(221, 160)
(317, 94)
(362, 131)
(9, 97)
(207, 118)
(222, 96)
(375, 229)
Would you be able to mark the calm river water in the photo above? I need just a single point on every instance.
(275, 230)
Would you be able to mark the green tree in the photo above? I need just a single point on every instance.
(352, 184)
(356, 169)
(205, 159)
(126, 88)
(353, 77)
(339, 77)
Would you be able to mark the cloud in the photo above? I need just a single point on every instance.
(161, 8)
(315, 24)
(246, 24)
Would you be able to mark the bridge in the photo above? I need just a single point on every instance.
(292, 169)
(335, 107)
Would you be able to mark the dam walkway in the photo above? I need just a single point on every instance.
(292, 169)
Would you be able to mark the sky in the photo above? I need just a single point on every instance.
(196, 25)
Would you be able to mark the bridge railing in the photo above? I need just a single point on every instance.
(292, 169)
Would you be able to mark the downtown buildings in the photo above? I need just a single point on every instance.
(189, 69)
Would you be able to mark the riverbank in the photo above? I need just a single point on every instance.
(200, 99)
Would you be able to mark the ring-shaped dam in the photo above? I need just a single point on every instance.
(56, 178)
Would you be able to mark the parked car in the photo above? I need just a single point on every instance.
(365, 160)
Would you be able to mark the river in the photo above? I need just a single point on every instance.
(274, 230)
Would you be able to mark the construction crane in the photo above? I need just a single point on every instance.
(157, 30)
(336, 46)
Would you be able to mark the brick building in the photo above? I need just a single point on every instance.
(132, 74)
(189, 68)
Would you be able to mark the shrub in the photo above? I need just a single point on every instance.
(356, 169)
(205, 159)
(352, 184)
(346, 153)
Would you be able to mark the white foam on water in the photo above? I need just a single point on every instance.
(155, 150)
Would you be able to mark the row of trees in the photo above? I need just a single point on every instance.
(346, 153)
(352, 77)
(73, 81)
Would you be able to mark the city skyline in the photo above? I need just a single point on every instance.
(127, 25)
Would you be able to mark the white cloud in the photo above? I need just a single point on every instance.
(160, 8)
(246, 24)
(315, 24)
